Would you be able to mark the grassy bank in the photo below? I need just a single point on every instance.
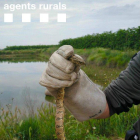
(97, 56)
(24, 55)
(41, 126)
(106, 57)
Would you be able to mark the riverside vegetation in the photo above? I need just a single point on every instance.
(103, 65)
(17, 126)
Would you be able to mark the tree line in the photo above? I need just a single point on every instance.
(120, 40)
(28, 47)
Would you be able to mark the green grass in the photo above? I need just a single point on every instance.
(13, 126)
(106, 57)
(96, 56)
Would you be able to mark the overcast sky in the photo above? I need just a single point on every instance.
(83, 17)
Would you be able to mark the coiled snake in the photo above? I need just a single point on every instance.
(59, 118)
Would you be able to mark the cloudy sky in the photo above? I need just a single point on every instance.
(83, 17)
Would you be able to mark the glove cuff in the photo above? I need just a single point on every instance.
(84, 99)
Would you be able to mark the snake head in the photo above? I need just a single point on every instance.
(77, 59)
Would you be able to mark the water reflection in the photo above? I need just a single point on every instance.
(19, 83)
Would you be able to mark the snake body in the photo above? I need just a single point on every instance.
(59, 118)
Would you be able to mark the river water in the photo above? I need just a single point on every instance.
(19, 84)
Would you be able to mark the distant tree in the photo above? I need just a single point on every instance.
(120, 40)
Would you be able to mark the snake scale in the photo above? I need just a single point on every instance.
(59, 118)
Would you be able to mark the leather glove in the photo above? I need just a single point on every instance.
(82, 97)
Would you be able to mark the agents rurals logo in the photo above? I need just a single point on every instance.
(28, 6)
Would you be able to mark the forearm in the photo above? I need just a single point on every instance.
(123, 92)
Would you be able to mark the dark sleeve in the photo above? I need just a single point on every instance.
(123, 92)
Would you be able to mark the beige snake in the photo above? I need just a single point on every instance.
(59, 118)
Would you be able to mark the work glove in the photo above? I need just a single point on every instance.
(82, 97)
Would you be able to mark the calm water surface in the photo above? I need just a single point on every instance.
(19, 84)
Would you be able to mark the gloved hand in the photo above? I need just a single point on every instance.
(82, 97)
